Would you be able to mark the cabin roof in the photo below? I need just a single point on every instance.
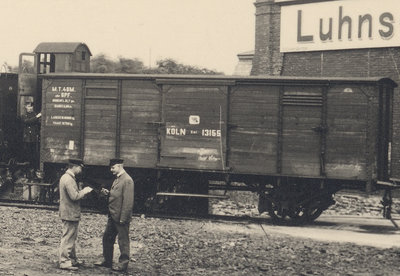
(59, 47)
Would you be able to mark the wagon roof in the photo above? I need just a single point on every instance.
(59, 47)
(171, 78)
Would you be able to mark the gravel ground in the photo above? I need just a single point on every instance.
(30, 237)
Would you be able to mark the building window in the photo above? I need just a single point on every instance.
(83, 56)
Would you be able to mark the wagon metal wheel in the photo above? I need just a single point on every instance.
(313, 214)
(276, 212)
(298, 214)
(302, 215)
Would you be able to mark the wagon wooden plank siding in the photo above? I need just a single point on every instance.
(253, 128)
(99, 134)
(140, 121)
(347, 135)
(272, 127)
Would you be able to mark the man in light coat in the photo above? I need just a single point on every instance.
(120, 204)
(70, 213)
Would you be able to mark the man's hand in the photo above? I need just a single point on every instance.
(39, 115)
(104, 191)
(87, 190)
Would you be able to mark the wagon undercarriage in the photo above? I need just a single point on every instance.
(300, 202)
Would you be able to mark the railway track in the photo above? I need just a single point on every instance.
(205, 217)
(54, 207)
(28, 204)
(336, 222)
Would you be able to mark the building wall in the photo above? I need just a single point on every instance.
(243, 68)
(245, 64)
(267, 58)
(338, 63)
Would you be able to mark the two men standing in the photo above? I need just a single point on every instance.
(120, 204)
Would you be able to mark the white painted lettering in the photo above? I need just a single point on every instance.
(62, 106)
(63, 89)
(176, 131)
(211, 132)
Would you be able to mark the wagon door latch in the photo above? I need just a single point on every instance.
(387, 199)
(387, 204)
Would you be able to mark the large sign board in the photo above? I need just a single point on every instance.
(345, 24)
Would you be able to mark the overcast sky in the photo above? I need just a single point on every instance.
(206, 33)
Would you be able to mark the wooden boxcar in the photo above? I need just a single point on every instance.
(295, 141)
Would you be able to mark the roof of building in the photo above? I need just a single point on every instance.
(246, 54)
(59, 47)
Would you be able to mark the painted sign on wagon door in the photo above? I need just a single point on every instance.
(61, 110)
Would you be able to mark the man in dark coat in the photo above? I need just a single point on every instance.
(70, 213)
(31, 124)
(120, 204)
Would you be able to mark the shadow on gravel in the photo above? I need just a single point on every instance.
(377, 229)
(357, 227)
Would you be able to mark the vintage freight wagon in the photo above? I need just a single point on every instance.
(295, 141)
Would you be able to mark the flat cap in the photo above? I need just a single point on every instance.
(116, 161)
(77, 162)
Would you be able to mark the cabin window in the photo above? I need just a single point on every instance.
(47, 63)
(83, 55)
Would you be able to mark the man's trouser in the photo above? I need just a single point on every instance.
(112, 230)
(67, 253)
(32, 154)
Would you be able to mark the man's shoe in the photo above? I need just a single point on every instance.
(103, 264)
(120, 268)
(78, 263)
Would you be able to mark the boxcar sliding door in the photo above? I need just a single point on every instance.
(194, 131)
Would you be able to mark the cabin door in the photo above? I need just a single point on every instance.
(194, 132)
(302, 133)
(28, 83)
